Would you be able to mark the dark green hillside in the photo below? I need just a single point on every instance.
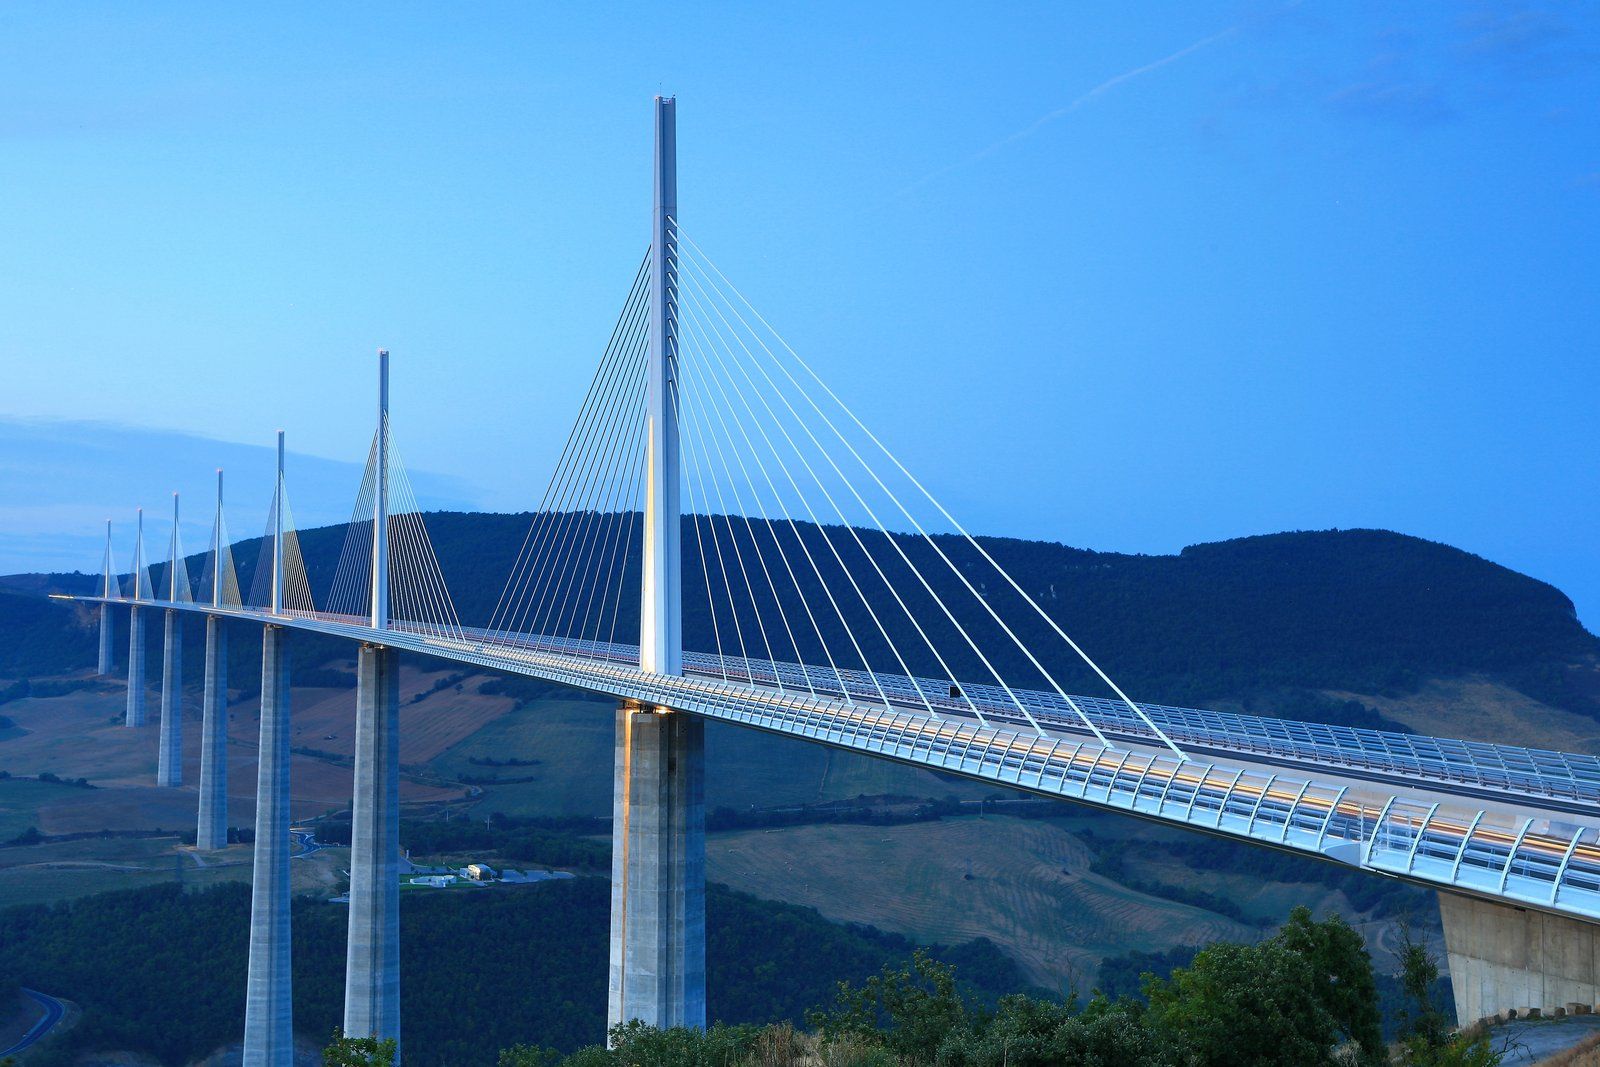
(1362, 610)
(480, 970)
(40, 637)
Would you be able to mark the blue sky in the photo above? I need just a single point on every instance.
(1125, 276)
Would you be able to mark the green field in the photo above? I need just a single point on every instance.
(21, 799)
(1023, 883)
(63, 870)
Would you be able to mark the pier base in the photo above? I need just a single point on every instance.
(658, 870)
(1505, 958)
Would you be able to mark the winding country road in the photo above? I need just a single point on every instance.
(54, 1011)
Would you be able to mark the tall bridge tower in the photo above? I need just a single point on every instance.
(658, 909)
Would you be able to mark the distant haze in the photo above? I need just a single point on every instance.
(60, 481)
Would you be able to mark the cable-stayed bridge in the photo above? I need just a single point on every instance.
(723, 539)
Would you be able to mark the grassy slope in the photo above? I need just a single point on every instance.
(1473, 641)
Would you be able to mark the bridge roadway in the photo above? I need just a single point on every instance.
(1516, 826)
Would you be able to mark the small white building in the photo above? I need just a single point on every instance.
(478, 872)
(434, 881)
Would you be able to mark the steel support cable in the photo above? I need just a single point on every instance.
(799, 454)
(595, 387)
(849, 527)
(598, 542)
(426, 559)
(1031, 602)
(549, 523)
(784, 467)
(755, 455)
(296, 587)
(621, 353)
(700, 535)
(617, 504)
(894, 543)
(617, 447)
(756, 549)
(596, 461)
(222, 550)
(688, 439)
(261, 580)
(700, 550)
(695, 294)
(418, 581)
(427, 610)
(578, 466)
(178, 570)
(738, 552)
(618, 553)
(633, 292)
(701, 408)
(449, 620)
(627, 553)
(708, 434)
(349, 595)
(625, 365)
(343, 597)
(216, 586)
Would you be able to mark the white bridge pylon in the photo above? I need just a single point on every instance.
(723, 537)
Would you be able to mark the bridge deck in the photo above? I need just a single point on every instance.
(1505, 823)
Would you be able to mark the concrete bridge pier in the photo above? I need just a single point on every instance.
(105, 639)
(169, 761)
(135, 713)
(268, 1014)
(372, 963)
(1504, 957)
(658, 870)
(211, 833)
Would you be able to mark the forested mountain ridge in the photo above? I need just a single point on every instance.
(1363, 611)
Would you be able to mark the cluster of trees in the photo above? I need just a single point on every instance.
(550, 842)
(479, 972)
(1304, 997)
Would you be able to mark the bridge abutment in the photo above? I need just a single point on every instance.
(658, 870)
(169, 761)
(135, 712)
(1504, 957)
(211, 832)
(372, 963)
(268, 1014)
(104, 666)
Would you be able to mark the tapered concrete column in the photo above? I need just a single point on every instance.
(268, 1015)
(135, 712)
(1503, 957)
(372, 962)
(658, 870)
(169, 761)
(105, 639)
(212, 831)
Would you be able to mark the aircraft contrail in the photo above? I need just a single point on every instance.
(1067, 109)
